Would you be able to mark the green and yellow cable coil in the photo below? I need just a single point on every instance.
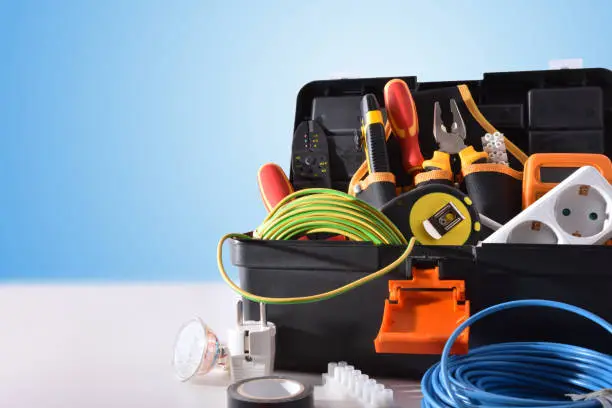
(319, 210)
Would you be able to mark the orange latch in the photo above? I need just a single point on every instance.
(421, 314)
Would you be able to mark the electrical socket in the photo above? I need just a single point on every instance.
(576, 211)
(532, 232)
(581, 211)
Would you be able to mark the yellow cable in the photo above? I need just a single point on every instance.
(311, 298)
(466, 95)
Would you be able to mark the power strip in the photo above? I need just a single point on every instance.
(575, 212)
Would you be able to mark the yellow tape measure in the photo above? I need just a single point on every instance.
(435, 214)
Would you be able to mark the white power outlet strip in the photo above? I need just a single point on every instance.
(576, 212)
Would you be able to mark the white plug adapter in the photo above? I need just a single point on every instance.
(575, 212)
(252, 347)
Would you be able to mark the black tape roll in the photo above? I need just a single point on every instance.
(270, 391)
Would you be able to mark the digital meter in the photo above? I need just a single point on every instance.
(543, 171)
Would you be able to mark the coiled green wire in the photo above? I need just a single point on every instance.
(323, 210)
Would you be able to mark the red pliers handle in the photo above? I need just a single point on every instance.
(402, 116)
(274, 186)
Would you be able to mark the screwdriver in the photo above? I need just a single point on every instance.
(379, 186)
(402, 114)
(374, 135)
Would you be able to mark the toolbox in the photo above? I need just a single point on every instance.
(555, 111)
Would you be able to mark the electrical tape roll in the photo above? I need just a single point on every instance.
(270, 391)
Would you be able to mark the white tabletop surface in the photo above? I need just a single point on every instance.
(111, 346)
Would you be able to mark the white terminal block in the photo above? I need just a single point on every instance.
(575, 212)
(252, 347)
(344, 382)
(494, 145)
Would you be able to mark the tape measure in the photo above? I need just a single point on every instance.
(270, 391)
(435, 214)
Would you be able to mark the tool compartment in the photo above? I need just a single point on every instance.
(522, 106)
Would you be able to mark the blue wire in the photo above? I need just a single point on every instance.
(518, 374)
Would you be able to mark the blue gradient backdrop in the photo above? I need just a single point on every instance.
(132, 130)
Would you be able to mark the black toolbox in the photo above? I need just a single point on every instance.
(540, 111)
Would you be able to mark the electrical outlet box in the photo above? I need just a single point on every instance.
(575, 212)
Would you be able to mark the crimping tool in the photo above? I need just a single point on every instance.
(439, 168)
(310, 157)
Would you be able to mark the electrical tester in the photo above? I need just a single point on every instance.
(543, 171)
(379, 186)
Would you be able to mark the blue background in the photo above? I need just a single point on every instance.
(132, 131)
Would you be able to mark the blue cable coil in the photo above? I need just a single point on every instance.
(535, 374)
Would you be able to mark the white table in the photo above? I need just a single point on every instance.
(103, 345)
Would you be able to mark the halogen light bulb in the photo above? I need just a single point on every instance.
(197, 350)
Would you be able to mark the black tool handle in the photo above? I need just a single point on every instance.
(374, 133)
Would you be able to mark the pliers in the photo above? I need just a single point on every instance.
(451, 142)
